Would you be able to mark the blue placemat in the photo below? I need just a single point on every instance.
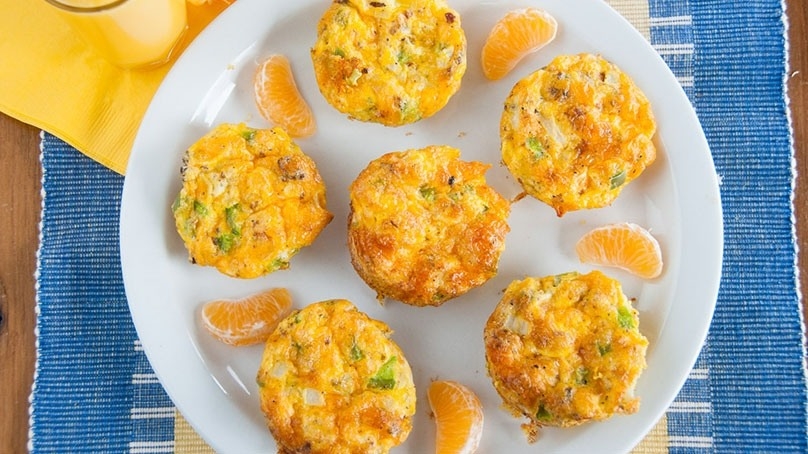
(95, 392)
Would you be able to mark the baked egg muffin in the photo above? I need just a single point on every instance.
(390, 62)
(575, 132)
(424, 226)
(332, 381)
(563, 350)
(250, 200)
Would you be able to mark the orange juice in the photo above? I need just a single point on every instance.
(128, 33)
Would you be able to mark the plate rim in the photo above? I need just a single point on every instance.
(713, 239)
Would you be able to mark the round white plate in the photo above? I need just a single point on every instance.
(213, 385)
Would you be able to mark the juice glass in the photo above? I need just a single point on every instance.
(128, 33)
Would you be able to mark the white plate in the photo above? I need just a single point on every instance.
(213, 385)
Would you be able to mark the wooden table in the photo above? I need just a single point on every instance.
(20, 210)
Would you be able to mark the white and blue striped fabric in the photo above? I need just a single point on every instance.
(95, 392)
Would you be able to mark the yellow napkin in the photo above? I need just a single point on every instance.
(50, 79)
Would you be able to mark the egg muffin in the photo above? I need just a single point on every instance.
(575, 132)
(250, 200)
(424, 226)
(332, 381)
(563, 350)
(389, 62)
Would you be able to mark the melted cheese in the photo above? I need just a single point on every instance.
(576, 132)
(424, 226)
(250, 200)
(332, 381)
(389, 62)
(563, 350)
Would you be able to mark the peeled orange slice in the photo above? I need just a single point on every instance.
(278, 99)
(518, 34)
(626, 246)
(248, 320)
(458, 417)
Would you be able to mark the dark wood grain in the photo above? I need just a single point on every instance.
(19, 233)
(20, 210)
(798, 93)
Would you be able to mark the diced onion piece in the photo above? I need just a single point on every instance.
(313, 397)
(279, 370)
(517, 324)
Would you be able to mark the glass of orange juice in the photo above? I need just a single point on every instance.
(128, 33)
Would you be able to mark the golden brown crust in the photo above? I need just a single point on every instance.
(576, 132)
(331, 381)
(563, 350)
(389, 62)
(241, 190)
(424, 226)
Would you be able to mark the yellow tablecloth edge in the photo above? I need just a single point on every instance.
(100, 158)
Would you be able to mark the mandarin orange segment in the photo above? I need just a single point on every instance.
(627, 246)
(248, 320)
(278, 99)
(520, 33)
(458, 417)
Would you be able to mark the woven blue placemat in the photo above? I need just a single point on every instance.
(95, 392)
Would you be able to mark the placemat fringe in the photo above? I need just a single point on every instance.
(37, 271)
